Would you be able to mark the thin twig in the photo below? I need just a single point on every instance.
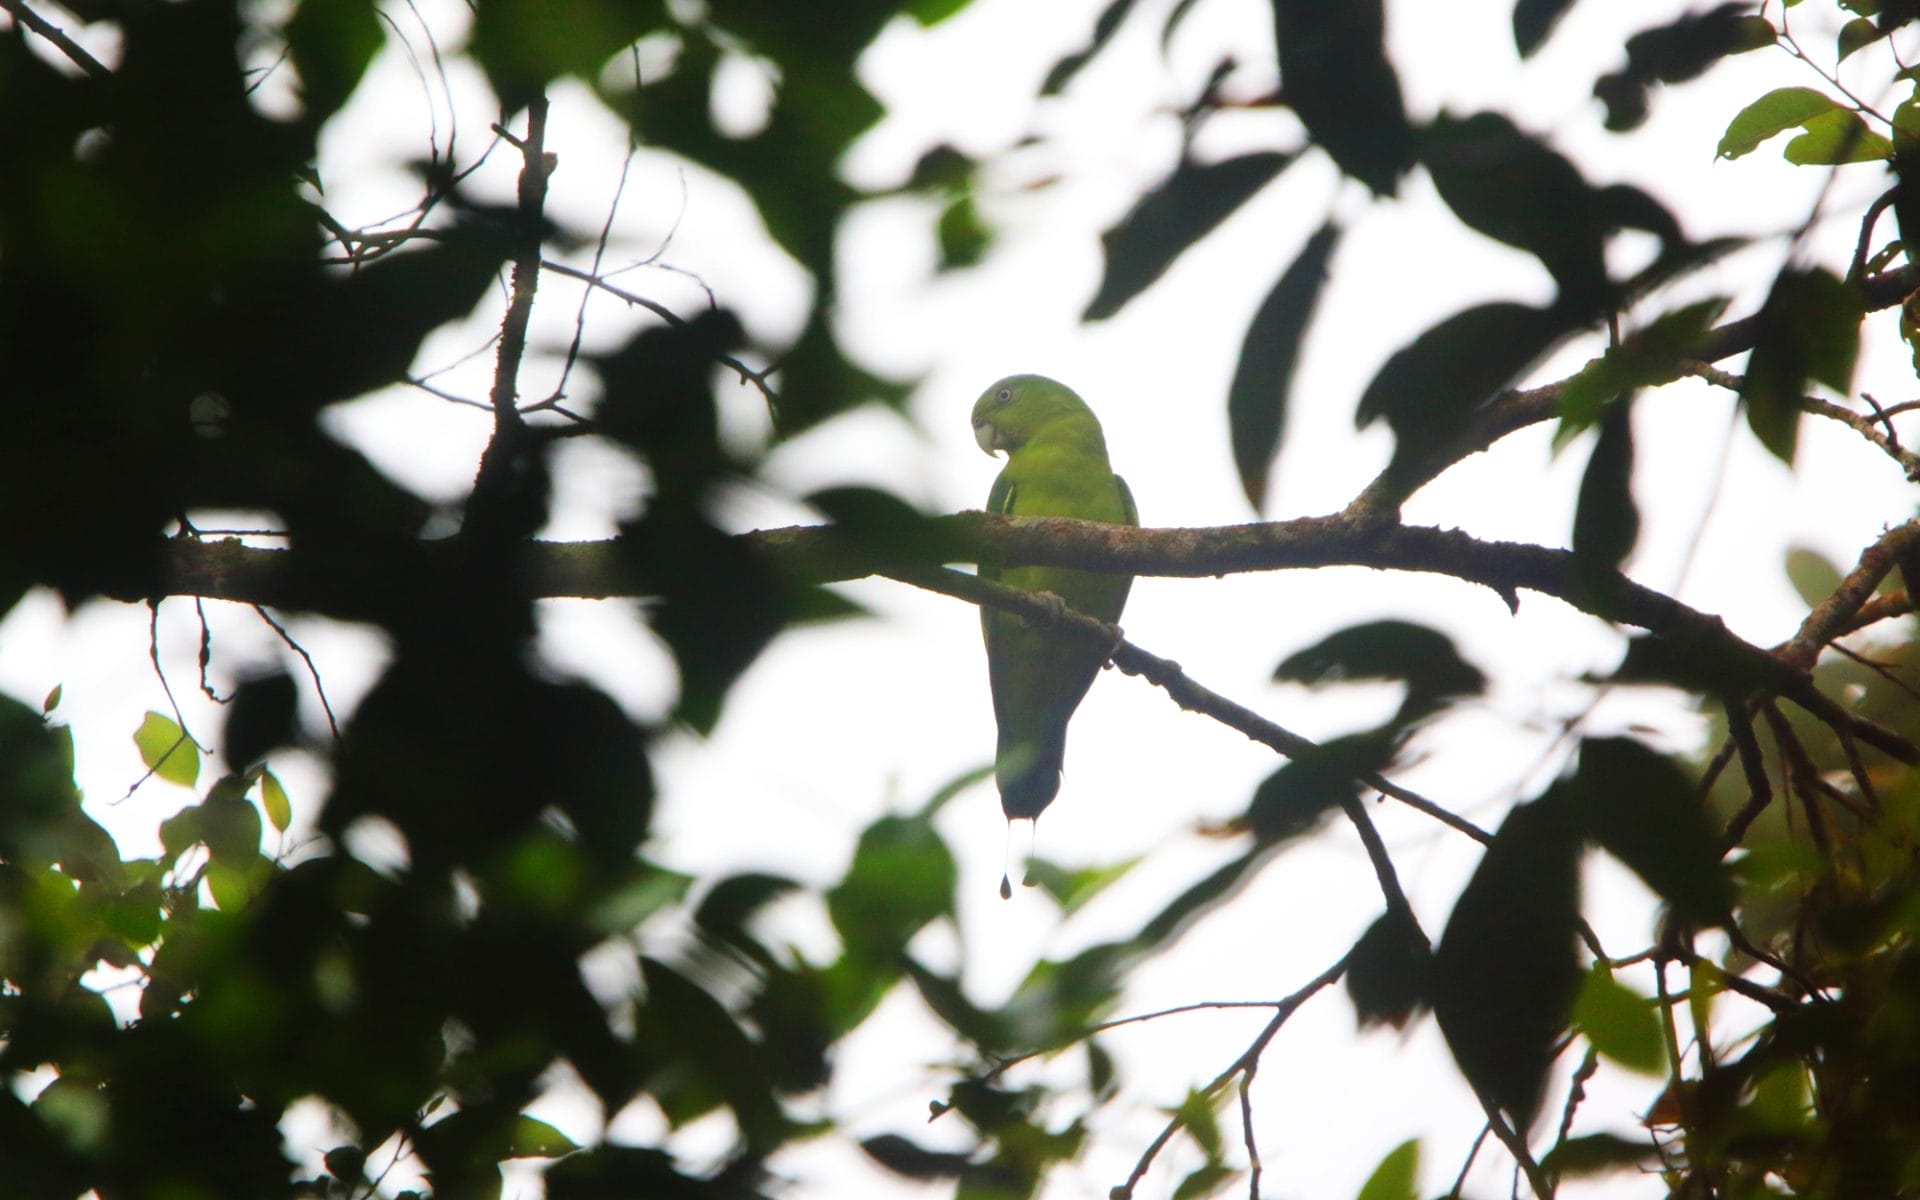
(53, 33)
(1285, 1008)
(313, 672)
(1867, 427)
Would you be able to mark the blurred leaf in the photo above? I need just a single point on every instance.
(949, 1002)
(1205, 1180)
(1645, 358)
(230, 826)
(964, 238)
(1606, 522)
(260, 717)
(524, 44)
(1071, 889)
(902, 876)
(723, 913)
(167, 750)
(1397, 1177)
(234, 882)
(608, 1170)
(1422, 658)
(1427, 390)
(331, 42)
(1533, 21)
(534, 1138)
(273, 798)
(882, 523)
(1643, 810)
(345, 1163)
(1808, 330)
(714, 1060)
(1516, 189)
(1600, 1153)
(1620, 1024)
(1162, 224)
(1387, 973)
(1263, 379)
(1175, 17)
(912, 1160)
(1300, 792)
(1506, 971)
(52, 701)
(1104, 27)
(1812, 574)
(1335, 76)
(1199, 1115)
(1674, 53)
(932, 12)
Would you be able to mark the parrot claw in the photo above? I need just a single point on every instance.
(1056, 608)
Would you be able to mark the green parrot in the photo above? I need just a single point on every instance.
(1056, 467)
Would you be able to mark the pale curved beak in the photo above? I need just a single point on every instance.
(988, 437)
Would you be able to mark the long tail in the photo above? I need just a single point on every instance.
(1028, 773)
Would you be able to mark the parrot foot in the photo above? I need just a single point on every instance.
(1055, 606)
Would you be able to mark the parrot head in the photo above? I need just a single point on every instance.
(1009, 413)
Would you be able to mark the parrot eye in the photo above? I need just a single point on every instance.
(1003, 395)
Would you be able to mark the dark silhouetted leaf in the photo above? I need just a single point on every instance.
(1606, 522)
(1642, 809)
(1649, 356)
(1533, 21)
(1619, 1023)
(1506, 971)
(331, 42)
(949, 1002)
(1184, 208)
(1515, 189)
(1600, 1153)
(1387, 974)
(908, 1158)
(1427, 390)
(724, 911)
(524, 44)
(1263, 379)
(260, 718)
(1674, 53)
(1423, 658)
(1855, 35)
(1177, 15)
(609, 1170)
(1104, 27)
(1298, 795)
(1335, 76)
(881, 522)
(1808, 330)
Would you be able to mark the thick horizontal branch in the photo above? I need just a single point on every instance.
(821, 554)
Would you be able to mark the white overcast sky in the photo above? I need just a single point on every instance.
(837, 725)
